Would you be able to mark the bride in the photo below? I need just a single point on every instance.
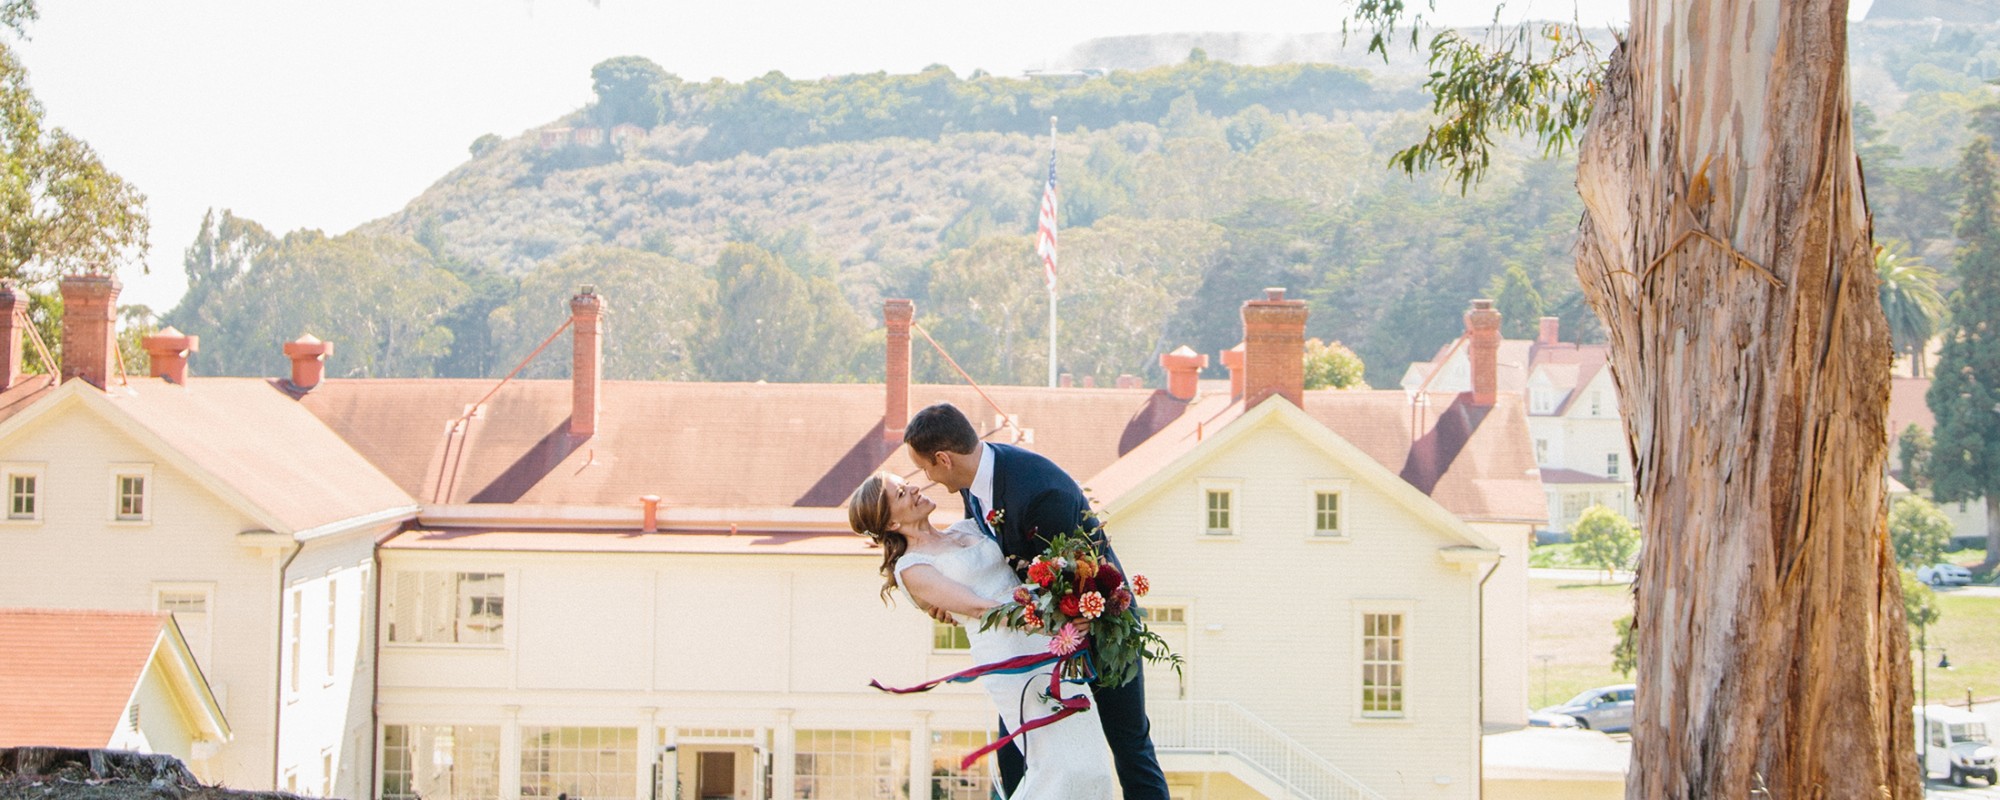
(960, 570)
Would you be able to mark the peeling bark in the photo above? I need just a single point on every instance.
(1725, 244)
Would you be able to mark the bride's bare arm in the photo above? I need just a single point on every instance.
(931, 588)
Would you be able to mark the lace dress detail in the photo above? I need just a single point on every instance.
(1068, 760)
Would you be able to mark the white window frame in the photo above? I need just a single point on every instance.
(1234, 488)
(1362, 608)
(459, 612)
(1344, 510)
(957, 632)
(35, 470)
(1542, 452)
(332, 632)
(1542, 400)
(119, 472)
(1613, 466)
(294, 636)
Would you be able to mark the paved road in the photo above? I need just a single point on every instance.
(1974, 791)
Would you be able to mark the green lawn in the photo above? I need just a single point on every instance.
(1968, 631)
(1570, 623)
(1570, 637)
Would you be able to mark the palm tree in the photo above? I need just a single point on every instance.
(1910, 299)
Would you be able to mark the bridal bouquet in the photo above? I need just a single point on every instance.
(1084, 604)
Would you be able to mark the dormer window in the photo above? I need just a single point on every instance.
(1542, 400)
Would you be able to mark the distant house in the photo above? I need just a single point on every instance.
(1573, 416)
(587, 137)
(629, 589)
(1908, 406)
(625, 133)
(106, 679)
(554, 138)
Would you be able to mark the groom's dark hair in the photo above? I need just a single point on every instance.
(940, 426)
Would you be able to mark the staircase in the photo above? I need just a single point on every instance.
(1226, 729)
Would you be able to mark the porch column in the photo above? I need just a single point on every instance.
(920, 756)
(649, 749)
(784, 752)
(510, 751)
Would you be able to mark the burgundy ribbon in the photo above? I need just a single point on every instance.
(1018, 664)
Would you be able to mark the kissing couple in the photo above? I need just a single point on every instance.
(960, 573)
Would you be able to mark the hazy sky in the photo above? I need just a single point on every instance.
(324, 115)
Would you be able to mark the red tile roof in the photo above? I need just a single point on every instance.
(1907, 405)
(67, 676)
(253, 437)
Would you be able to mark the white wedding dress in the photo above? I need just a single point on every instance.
(1068, 759)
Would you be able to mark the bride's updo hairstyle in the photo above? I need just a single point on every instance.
(868, 515)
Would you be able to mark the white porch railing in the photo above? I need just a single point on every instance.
(1222, 728)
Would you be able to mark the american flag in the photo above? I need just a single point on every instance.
(1045, 238)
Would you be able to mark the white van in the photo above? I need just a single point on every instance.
(1958, 744)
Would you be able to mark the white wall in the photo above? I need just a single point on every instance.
(75, 557)
(328, 715)
(1505, 656)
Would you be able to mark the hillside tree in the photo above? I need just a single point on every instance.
(1965, 395)
(1725, 245)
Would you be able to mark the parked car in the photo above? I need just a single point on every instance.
(1607, 709)
(1944, 575)
(1550, 719)
(1958, 745)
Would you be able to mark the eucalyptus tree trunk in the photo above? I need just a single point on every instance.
(1725, 243)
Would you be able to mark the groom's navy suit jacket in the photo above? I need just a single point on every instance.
(1037, 501)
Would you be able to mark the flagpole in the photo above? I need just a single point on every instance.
(1052, 283)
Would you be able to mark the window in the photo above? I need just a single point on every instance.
(842, 764)
(1541, 452)
(24, 492)
(295, 628)
(1381, 665)
(949, 638)
(461, 762)
(1542, 400)
(1611, 465)
(948, 782)
(131, 492)
(189, 603)
(1218, 511)
(447, 607)
(1572, 507)
(594, 763)
(332, 616)
(1166, 615)
(1326, 513)
(132, 716)
(1597, 404)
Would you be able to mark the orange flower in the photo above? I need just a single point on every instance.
(1031, 617)
(1040, 573)
(1140, 585)
(1070, 605)
(1092, 605)
(1085, 570)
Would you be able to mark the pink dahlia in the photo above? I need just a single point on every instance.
(1091, 606)
(1067, 640)
(1140, 585)
(1120, 600)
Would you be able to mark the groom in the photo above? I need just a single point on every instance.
(1034, 496)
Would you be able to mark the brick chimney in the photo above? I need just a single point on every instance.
(1550, 333)
(90, 328)
(1482, 328)
(1274, 349)
(649, 513)
(896, 317)
(168, 352)
(586, 309)
(1183, 367)
(1233, 359)
(308, 355)
(13, 316)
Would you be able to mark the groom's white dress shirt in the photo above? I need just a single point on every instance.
(982, 480)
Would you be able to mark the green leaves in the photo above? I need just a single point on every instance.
(61, 210)
(1605, 538)
(1918, 531)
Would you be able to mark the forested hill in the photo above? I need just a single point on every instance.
(746, 231)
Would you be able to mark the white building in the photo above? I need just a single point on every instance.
(1573, 416)
(604, 589)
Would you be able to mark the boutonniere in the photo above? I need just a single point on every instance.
(994, 517)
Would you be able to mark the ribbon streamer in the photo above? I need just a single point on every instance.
(1012, 666)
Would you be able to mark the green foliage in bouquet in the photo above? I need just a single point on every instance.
(1084, 604)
